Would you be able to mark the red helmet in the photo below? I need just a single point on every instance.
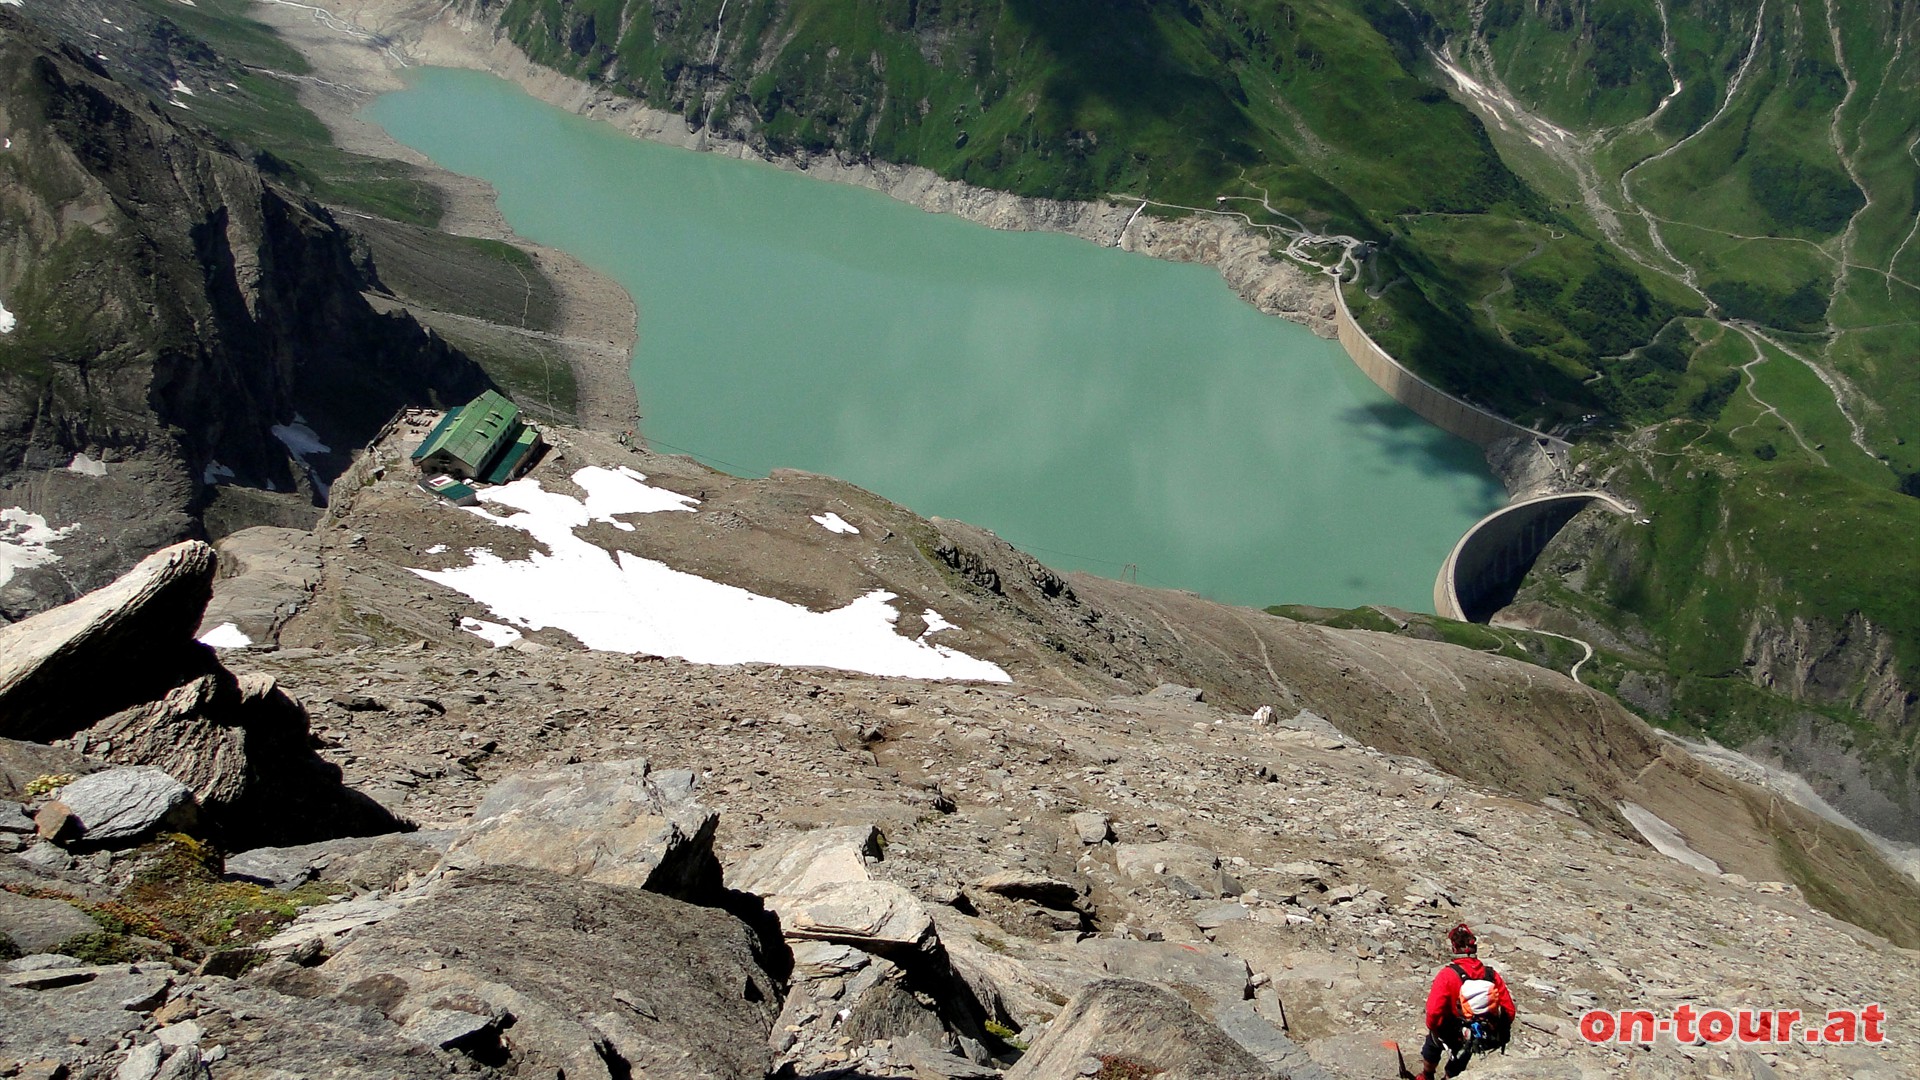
(1462, 939)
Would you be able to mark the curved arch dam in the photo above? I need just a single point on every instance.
(1485, 568)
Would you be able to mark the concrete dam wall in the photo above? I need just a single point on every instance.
(1436, 406)
(1485, 567)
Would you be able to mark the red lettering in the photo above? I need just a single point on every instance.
(1716, 1025)
(1873, 1015)
(1596, 1025)
(1783, 1022)
(1754, 1025)
(1637, 1025)
(1683, 1024)
(1842, 1027)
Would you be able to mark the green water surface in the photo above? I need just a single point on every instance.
(1094, 407)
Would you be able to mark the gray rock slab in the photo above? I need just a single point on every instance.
(1176, 692)
(796, 863)
(877, 916)
(610, 822)
(1214, 916)
(1042, 889)
(325, 927)
(267, 574)
(42, 1020)
(140, 628)
(14, 818)
(364, 862)
(127, 804)
(591, 973)
(1091, 826)
(1216, 973)
(444, 1028)
(1150, 1027)
(37, 925)
(1242, 1023)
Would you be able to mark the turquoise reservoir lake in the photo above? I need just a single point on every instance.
(1094, 407)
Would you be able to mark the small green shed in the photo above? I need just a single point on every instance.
(484, 440)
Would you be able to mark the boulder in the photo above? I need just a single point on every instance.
(877, 916)
(1035, 888)
(613, 822)
(797, 863)
(118, 646)
(242, 745)
(1199, 972)
(1135, 1029)
(36, 926)
(1091, 826)
(121, 806)
(593, 979)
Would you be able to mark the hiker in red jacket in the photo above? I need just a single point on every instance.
(1469, 1010)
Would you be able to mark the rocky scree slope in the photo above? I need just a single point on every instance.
(188, 337)
(635, 865)
(1522, 728)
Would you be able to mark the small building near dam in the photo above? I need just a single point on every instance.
(484, 441)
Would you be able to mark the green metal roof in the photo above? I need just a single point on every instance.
(474, 431)
(511, 457)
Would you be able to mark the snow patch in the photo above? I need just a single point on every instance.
(11, 3)
(1666, 839)
(300, 441)
(179, 87)
(226, 636)
(834, 523)
(436, 549)
(7, 321)
(24, 540)
(86, 466)
(214, 473)
(934, 622)
(492, 632)
(620, 602)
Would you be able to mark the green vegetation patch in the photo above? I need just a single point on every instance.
(175, 901)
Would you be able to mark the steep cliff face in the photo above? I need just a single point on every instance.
(179, 324)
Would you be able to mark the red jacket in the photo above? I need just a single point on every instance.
(1443, 1004)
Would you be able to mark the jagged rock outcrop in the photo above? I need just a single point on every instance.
(173, 306)
(119, 675)
(139, 628)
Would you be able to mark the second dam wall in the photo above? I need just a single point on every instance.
(1436, 406)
